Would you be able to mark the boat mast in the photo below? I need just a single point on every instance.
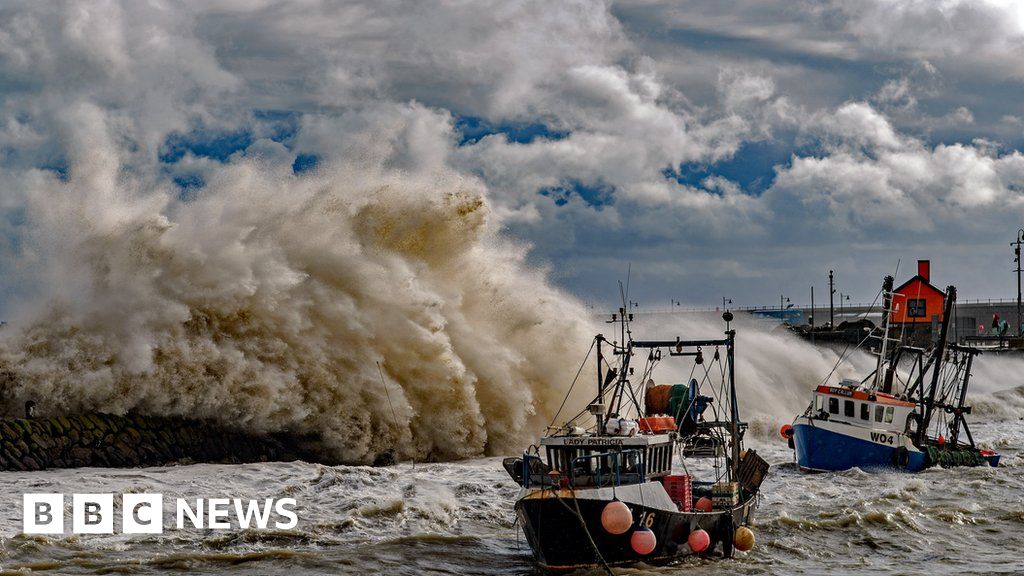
(600, 386)
(960, 409)
(733, 405)
(940, 351)
(886, 311)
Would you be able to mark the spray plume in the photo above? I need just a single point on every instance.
(265, 302)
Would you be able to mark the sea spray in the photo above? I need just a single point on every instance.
(775, 369)
(265, 300)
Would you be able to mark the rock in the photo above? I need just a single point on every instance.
(81, 456)
(98, 422)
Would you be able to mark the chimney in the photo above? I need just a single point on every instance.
(924, 269)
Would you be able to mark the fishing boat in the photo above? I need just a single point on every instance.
(646, 472)
(908, 414)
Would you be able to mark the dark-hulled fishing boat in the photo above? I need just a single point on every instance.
(611, 493)
(891, 420)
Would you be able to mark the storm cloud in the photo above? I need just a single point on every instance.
(736, 150)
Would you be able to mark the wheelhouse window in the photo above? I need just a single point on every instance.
(819, 403)
(833, 405)
(916, 308)
(888, 415)
(879, 410)
(865, 411)
(849, 409)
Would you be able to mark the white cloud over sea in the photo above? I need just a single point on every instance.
(738, 149)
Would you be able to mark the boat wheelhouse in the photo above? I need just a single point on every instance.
(878, 410)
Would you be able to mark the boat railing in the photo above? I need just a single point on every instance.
(531, 471)
(614, 471)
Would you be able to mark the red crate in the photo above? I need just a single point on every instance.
(680, 490)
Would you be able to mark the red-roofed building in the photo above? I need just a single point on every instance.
(918, 306)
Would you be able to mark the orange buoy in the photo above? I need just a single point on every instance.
(703, 504)
(743, 539)
(616, 518)
(699, 540)
(786, 431)
(643, 541)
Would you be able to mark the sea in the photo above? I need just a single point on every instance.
(457, 518)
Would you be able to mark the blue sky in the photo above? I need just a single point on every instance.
(719, 149)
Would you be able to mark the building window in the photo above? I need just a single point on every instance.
(888, 415)
(878, 413)
(833, 405)
(916, 308)
(865, 411)
(848, 409)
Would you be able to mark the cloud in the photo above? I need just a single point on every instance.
(876, 120)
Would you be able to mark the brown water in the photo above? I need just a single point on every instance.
(456, 518)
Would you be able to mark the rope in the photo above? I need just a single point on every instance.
(394, 416)
(578, 372)
(586, 531)
(843, 355)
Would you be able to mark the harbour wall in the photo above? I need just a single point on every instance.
(105, 440)
(970, 314)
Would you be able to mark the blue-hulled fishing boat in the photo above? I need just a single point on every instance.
(908, 414)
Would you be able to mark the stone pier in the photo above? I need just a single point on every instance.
(105, 440)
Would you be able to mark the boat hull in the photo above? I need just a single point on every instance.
(823, 446)
(563, 527)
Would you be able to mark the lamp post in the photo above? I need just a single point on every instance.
(783, 306)
(831, 306)
(841, 298)
(1016, 258)
(726, 301)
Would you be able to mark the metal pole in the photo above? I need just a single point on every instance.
(831, 309)
(1016, 252)
(939, 351)
(600, 386)
(886, 304)
(958, 419)
(733, 405)
(812, 315)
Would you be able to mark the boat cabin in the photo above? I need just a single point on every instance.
(867, 409)
(609, 460)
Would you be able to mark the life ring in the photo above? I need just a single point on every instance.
(901, 457)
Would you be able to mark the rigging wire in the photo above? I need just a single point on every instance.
(578, 372)
(843, 356)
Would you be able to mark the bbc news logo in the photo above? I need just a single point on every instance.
(144, 513)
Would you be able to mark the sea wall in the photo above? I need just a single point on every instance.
(105, 440)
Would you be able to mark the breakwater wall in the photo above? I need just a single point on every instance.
(105, 440)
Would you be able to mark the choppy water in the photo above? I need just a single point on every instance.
(456, 518)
